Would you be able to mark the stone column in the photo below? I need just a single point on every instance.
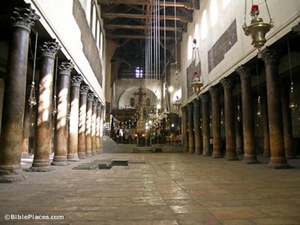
(205, 124)
(98, 128)
(277, 159)
(82, 121)
(229, 119)
(14, 96)
(287, 123)
(239, 137)
(88, 128)
(74, 118)
(191, 128)
(265, 125)
(27, 125)
(94, 121)
(43, 137)
(216, 122)
(197, 131)
(185, 135)
(248, 120)
(61, 131)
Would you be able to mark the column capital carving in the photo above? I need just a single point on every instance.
(84, 89)
(76, 80)
(270, 56)
(95, 101)
(214, 91)
(244, 72)
(66, 67)
(99, 106)
(90, 96)
(196, 102)
(50, 49)
(296, 29)
(204, 97)
(24, 17)
(227, 83)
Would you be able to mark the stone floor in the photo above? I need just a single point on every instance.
(155, 189)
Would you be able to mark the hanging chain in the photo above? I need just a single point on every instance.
(32, 99)
(267, 6)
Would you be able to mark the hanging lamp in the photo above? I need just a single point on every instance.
(257, 29)
(293, 104)
(177, 104)
(32, 98)
(196, 82)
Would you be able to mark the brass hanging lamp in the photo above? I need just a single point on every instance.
(196, 81)
(177, 104)
(32, 98)
(257, 28)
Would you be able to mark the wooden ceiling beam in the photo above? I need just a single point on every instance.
(139, 27)
(125, 36)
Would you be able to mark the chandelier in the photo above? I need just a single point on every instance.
(196, 82)
(257, 28)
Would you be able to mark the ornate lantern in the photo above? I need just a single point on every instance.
(196, 83)
(177, 104)
(257, 28)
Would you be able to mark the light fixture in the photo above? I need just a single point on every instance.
(32, 98)
(196, 82)
(177, 104)
(293, 104)
(54, 104)
(257, 28)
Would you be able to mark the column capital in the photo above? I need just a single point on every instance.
(244, 72)
(296, 29)
(50, 49)
(24, 17)
(227, 83)
(99, 105)
(84, 89)
(66, 67)
(270, 56)
(95, 101)
(214, 91)
(90, 96)
(204, 97)
(76, 80)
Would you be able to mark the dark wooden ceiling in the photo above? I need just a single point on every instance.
(130, 23)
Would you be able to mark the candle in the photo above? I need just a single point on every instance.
(254, 8)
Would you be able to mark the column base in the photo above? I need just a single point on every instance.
(11, 174)
(217, 155)
(94, 152)
(267, 154)
(250, 159)
(291, 157)
(60, 161)
(197, 152)
(41, 163)
(191, 151)
(89, 154)
(81, 155)
(231, 157)
(40, 169)
(73, 158)
(278, 163)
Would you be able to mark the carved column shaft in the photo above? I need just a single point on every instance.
(216, 122)
(82, 122)
(265, 125)
(98, 128)
(205, 124)
(14, 96)
(197, 131)
(271, 59)
(248, 120)
(74, 118)
(61, 131)
(229, 119)
(43, 137)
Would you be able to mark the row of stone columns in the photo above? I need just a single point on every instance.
(275, 112)
(77, 121)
